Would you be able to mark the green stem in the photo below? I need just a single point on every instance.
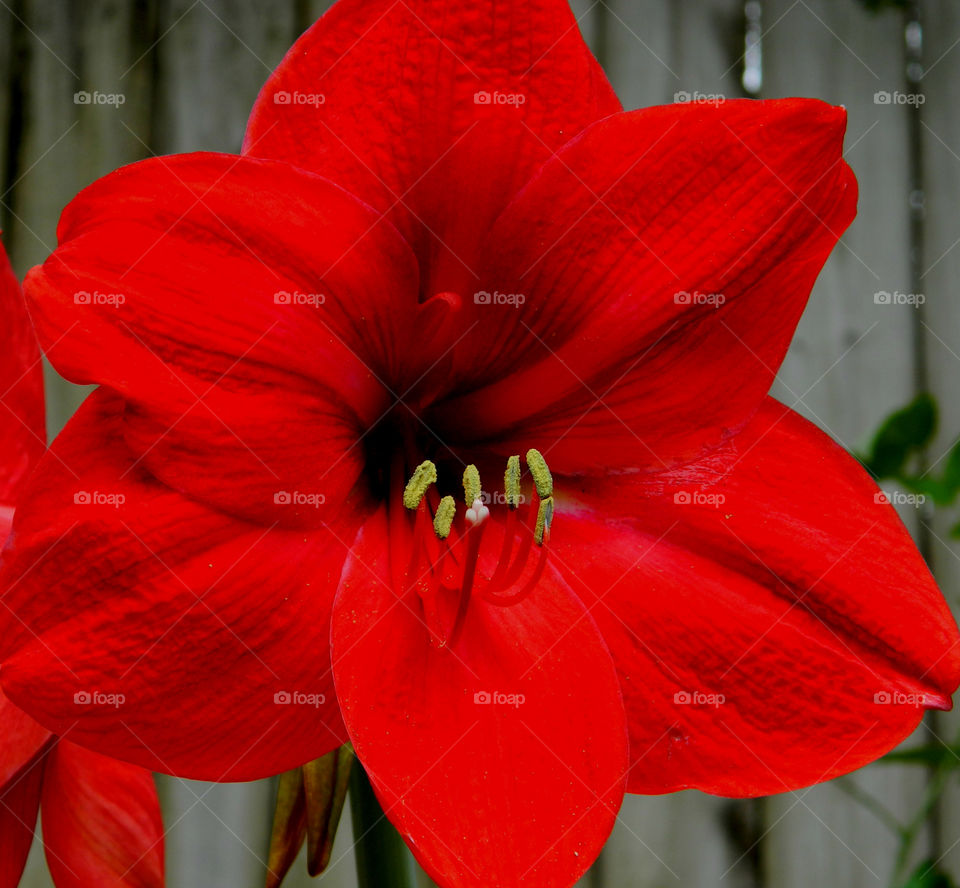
(934, 790)
(869, 801)
(382, 858)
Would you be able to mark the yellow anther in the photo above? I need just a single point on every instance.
(544, 519)
(424, 475)
(541, 474)
(443, 520)
(511, 482)
(471, 484)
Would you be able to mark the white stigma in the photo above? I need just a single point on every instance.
(477, 513)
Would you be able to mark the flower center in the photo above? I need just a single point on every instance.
(446, 562)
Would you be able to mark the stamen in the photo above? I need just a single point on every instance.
(541, 474)
(424, 475)
(443, 520)
(444, 558)
(471, 484)
(544, 520)
(511, 482)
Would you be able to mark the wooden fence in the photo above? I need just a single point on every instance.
(189, 71)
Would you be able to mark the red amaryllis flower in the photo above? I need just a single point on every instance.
(443, 246)
(101, 817)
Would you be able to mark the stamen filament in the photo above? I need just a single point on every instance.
(506, 600)
(473, 535)
(506, 550)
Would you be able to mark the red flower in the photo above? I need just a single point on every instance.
(101, 817)
(444, 241)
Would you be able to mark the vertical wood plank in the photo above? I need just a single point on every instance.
(215, 832)
(940, 263)
(212, 59)
(640, 57)
(851, 364)
(9, 85)
(65, 53)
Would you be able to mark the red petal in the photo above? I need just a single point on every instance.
(543, 776)
(176, 625)
(19, 802)
(772, 574)
(624, 364)
(382, 94)
(22, 739)
(233, 395)
(22, 429)
(101, 821)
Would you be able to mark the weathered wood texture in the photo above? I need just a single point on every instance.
(188, 73)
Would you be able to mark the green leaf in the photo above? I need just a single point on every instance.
(929, 756)
(928, 875)
(901, 435)
(951, 473)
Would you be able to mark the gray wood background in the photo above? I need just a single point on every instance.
(190, 69)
